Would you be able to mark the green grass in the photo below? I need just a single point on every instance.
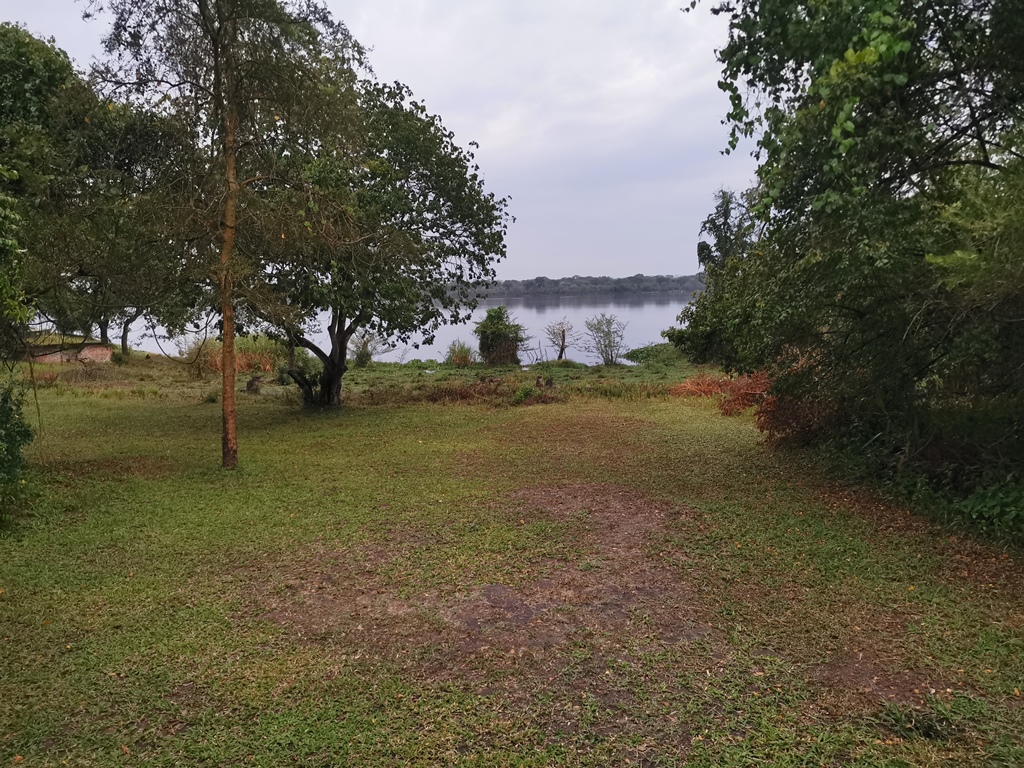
(615, 578)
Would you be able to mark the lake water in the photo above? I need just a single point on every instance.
(645, 316)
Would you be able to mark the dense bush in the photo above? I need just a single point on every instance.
(15, 434)
(654, 354)
(501, 337)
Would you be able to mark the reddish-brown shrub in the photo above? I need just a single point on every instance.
(745, 392)
(45, 379)
(702, 385)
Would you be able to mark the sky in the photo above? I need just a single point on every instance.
(599, 119)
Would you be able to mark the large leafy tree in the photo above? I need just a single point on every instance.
(881, 127)
(114, 234)
(97, 185)
(391, 231)
(249, 75)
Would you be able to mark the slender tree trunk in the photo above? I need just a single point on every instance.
(229, 434)
(125, 349)
(561, 346)
(125, 328)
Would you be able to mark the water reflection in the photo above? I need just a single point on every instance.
(646, 315)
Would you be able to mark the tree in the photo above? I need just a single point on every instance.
(562, 336)
(881, 126)
(247, 73)
(108, 238)
(397, 234)
(607, 338)
(501, 337)
(15, 434)
(729, 226)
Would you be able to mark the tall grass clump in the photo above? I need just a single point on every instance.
(365, 346)
(257, 354)
(460, 354)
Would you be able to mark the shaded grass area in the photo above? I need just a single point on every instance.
(587, 582)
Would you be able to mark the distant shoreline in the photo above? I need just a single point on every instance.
(578, 286)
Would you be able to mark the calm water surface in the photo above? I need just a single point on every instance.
(645, 316)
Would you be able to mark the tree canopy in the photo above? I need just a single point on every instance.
(889, 136)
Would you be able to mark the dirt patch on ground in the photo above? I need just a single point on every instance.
(862, 679)
(146, 467)
(887, 518)
(617, 585)
(341, 594)
(559, 634)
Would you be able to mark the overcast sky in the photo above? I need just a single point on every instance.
(599, 118)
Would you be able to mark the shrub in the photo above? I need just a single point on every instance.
(15, 434)
(744, 392)
(305, 362)
(740, 393)
(665, 354)
(501, 337)
(606, 334)
(460, 354)
(789, 421)
(366, 345)
(562, 335)
(997, 509)
(702, 385)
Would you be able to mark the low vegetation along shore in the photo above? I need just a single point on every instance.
(469, 566)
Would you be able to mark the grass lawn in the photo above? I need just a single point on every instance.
(617, 577)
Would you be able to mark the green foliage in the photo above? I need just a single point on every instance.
(729, 226)
(998, 510)
(606, 339)
(884, 295)
(13, 308)
(654, 354)
(501, 337)
(401, 237)
(15, 434)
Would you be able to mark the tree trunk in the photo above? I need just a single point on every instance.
(103, 324)
(327, 390)
(229, 435)
(125, 349)
(561, 346)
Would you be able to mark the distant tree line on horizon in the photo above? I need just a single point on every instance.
(584, 286)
